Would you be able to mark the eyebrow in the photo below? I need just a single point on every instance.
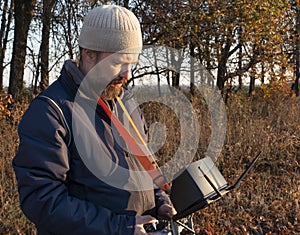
(124, 61)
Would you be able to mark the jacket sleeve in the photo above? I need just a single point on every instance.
(41, 166)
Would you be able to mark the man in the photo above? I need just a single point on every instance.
(61, 190)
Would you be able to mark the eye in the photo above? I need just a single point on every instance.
(116, 64)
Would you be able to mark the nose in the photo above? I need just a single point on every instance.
(126, 72)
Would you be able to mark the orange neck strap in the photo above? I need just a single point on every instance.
(151, 167)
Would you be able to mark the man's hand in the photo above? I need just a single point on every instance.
(140, 221)
(166, 211)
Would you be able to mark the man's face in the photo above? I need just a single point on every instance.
(115, 71)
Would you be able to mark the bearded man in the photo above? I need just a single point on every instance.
(80, 178)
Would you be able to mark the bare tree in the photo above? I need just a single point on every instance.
(297, 49)
(24, 11)
(46, 19)
(4, 30)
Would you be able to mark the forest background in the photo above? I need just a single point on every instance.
(250, 48)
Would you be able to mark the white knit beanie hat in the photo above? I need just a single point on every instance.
(111, 28)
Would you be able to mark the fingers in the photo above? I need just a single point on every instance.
(140, 221)
(139, 230)
(166, 211)
(145, 219)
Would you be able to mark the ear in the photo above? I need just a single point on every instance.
(88, 59)
(89, 56)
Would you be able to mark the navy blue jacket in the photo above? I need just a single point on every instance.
(58, 192)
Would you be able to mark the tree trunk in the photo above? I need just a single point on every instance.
(5, 26)
(175, 79)
(69, 30)
(252, 85)
(240, 77)
(24, 11)
(175, 75)
(192, 69)
(46, 19)
(126, 4)
(220, 77)
(297, 53)
(157, 71)
(263, 73)
(222, 65)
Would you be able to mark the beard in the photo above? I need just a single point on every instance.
(113, 89)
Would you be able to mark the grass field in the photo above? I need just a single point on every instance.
(267, 200)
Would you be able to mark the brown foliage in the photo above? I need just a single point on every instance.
(12, 221)
(267, 200)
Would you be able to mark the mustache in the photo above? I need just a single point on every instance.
(118, 80)
(111, 91)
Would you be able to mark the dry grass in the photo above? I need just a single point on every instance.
(12, 221)
(267, 200)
